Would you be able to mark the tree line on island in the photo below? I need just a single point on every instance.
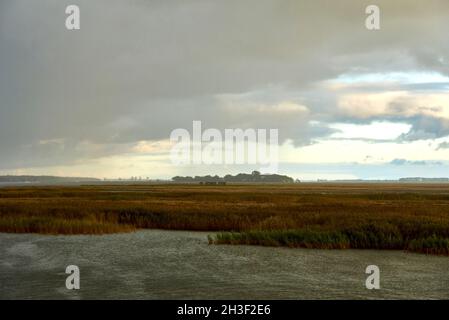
(254, 177)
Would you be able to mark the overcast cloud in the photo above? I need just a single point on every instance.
(139, 69)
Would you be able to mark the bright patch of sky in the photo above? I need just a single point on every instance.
(374, 131)
(396, 77)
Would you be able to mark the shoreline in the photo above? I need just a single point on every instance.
(275, 239)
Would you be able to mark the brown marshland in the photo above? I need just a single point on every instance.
(411, 217)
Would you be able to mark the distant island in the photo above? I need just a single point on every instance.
(44, 179)
(420, 179)
(254, 177)
(400, 180)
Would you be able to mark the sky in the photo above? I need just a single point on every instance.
(102, 101)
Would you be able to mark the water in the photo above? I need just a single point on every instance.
(155, 264)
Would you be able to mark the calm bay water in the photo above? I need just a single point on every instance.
(155, 264)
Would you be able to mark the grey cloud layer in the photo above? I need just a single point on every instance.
(138, 69)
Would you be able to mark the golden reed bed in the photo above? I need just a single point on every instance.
(411, 217)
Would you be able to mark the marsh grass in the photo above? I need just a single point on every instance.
(376, 216)
(48, 225)
(287, 238)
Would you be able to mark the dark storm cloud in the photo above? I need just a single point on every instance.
(426, 127)
(138, 69)
(443, 145)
